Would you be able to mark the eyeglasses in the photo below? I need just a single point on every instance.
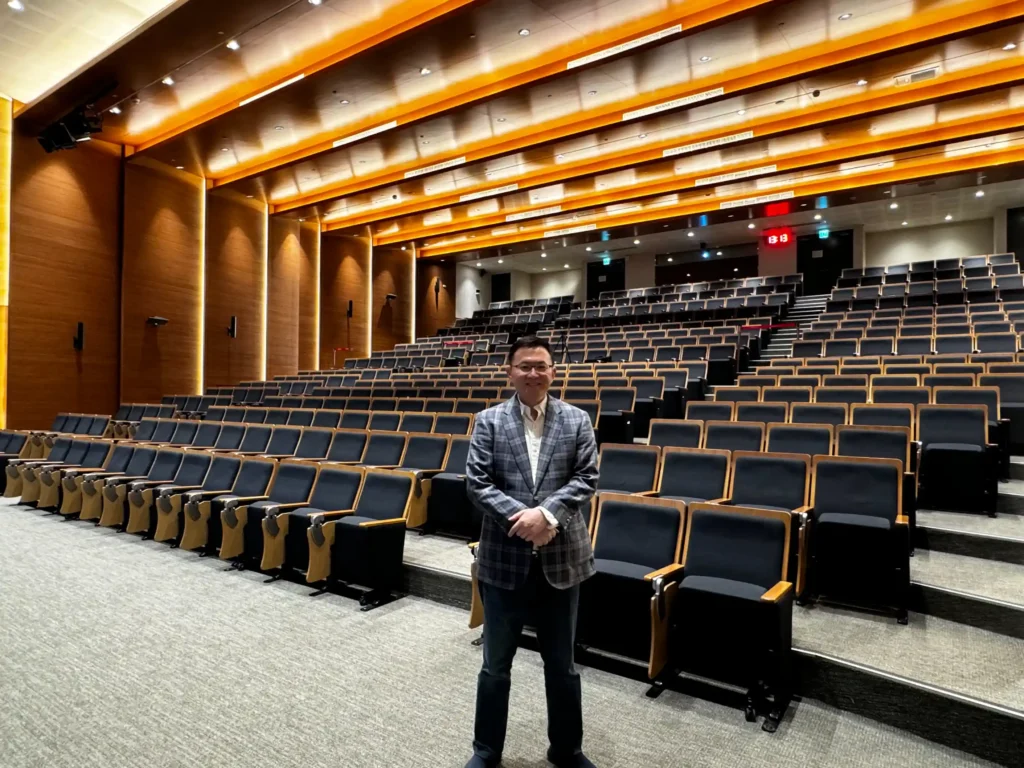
(538, 367)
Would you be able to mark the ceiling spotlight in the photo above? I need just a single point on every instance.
(588, 249)
(980, 193)
(735, 269)
(687, 274)
(302, 221)
(817, 217)
(345, 101)
(315, 2)
(543, 269)
(1009, 46)
(223, 149)
(706, 255)
(233, 45)
(670, 259)
(180, 167)
(425, 141)
(742, 112)
(862, 81)
(903, 223)
(949, 217)
(524, 32)
(15, 5)
(543, 255)
(688, 234)
(751, 225)
(168, 80)
(559, 156)
(501, 119)
(642, 136)
(591, 93)
(501, 261)
(893, 206)
(278, 127)
(566, 266)
(478, 263)
(719, 253)
(845, 16)
(636, 242)
(424, 71)
(115, 110)
(403, 247)
(705, 58)
(249, 196)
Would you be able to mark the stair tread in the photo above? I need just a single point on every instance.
(1006, 526)
(990, 579)
(929, 650)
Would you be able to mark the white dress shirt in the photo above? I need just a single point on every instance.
(533, 430)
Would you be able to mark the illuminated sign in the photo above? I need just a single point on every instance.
(779, 237)
(823, 234)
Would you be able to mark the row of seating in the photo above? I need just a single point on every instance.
(928, 267)
(738, 307)
(912, 344)
(713, 285)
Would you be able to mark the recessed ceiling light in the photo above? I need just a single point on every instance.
(949, 217)
(478, 263)
(543, 255)
(688, 234)
(862, 81)
(893, 206)
(845, 16)
(168, 80)
(315, 2)
(751, 225)
(636, 242)
(642, 136)
(1009, 46)
(345, 101)
(501, 261)
(424, 71)
(734, 269)
(980, 193)
(566, 266)
(720, 253)
(524, 32)
(403, 247)
(115, 110)
(591, 93)
(501, 119)
(426, 141)
(15, 5)
(670, 259)
(903, 223)
(180, 167)
(705, 58)
(588, 249)
(543, 269)
(742, 112)
(817, 217)
(559, 156)
(233, 45)
(278, 127)
(249, 196)
(687, 274)
(223, 149)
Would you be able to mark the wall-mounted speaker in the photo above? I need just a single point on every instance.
(79, 339)
(233, 327)
(157, 320)
(349, 313)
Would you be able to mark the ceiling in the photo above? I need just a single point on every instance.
(466, 127)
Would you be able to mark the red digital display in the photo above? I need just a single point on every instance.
(779, 237)
(777, 209)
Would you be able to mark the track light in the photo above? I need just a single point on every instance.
(168, 80)
(980, 193)
(115, 110)
(233, 45)
(15, 5)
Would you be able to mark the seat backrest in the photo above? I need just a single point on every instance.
(336, 488)
(965, 424)
(819, 413)
(162, 433)
(703, 410)
(359, 419)
(119, 459)
(385, 495)
(883, 415)
(193, 468)
(76, 453)
(96, 454)
(165, 465)
(616, 398)
(762, 412)
(672, 432)
(415, 422)
(875, 442)
(284, 441)
(60, 449)
(313, 444)
(328, 419)
(694, 472)
(277, 416)
(1010, 385)
(912, 395)
(293, 482)
(425, 452)
(230, 436)
(384, 421)
(184, 433)
(744, 545)
(98, 426)
(858, 486)
(347, 445)
(640, 531)
(737, 394)
(257, 437)
(254, 477)
(385, 449)
(786, 394)
(628, 468)
(141, 461)
(770, 479)
(734, 436)
(453, 424)
(986, 396)
(301, 417)
(207, 434)
(222, 473)
(809, 439)
(455, 463)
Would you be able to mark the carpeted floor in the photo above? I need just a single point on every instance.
(988, 578)
(120, 653)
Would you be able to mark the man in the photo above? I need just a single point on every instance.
(531, 469)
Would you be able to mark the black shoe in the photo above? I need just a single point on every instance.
(478, 762)
(573, 761)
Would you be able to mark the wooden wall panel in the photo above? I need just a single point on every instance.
(162, 276)
(344, 277)
(64, 270)
(236, 263)
(435, 296)
(292, 300)
(393, 272)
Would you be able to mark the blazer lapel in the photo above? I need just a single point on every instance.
(513, 420)
(552, 428)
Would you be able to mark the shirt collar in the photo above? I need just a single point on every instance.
(542, 407)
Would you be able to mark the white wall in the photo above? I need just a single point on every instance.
(640, 270)
(776, 261)
(942, 241)
(521, 287)
(568, 282)
(468, 282)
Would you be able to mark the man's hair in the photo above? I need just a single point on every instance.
(529, 342)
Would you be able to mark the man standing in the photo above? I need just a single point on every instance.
(531, 470)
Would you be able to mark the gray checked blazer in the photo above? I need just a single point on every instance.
(500, 483)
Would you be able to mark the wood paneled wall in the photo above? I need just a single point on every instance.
(64, 269)
(435, 296)
(161, 276)
(236, 264)
(292, 309)
(344, 277)
(393, 272)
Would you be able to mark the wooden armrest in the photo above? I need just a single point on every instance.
(375, 523)
(902, 520)
(673, 569)
(249, 499)
(331, 514)
(84, 469)
(276, 456)
(646, 493)
(211, 494)
(183, 488)
(776, 593)
(293, 505)
(473, 546)
(806, 510)
(724, 500)
(130, 478)
(154, 482)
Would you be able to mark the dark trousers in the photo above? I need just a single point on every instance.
(553, 613)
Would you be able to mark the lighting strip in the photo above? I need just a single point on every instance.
(316, 296)
(6, 182)
(266, 290)
(201, 364)
(270, 90)
(369, 291)
(412, 282)
(629, 45)
(366, 134)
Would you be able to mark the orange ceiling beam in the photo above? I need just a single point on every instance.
(888, 99)
(487, 84)
(903, 170)
(850, 148)
(955, 20)
(394, 22)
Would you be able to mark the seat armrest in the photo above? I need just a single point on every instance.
(671, 570)
(151, 482)
(243, 500)
(275, 456)
(176, 489)
(290, 505)
(129, 478)
(377, 523)
(209, 494)
(902, 520)
(805, 510)
(727, 501)
(651, 494)
(321, 517)
(776, 593)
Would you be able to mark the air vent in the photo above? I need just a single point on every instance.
(917, 77)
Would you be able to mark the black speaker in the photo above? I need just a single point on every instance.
(349, 313)
(79, 339)
(233, 328)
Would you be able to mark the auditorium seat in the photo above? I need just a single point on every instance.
(50, 479)
(1011, 403)
(734, 436)
(819, 413)
(71, 478)
(170, 500)
(958, 468)
(30, 471)
(448, 506)
(787, 394)
(737, 394)
(255, 440)
(203, 510)
(142, 513)
(860, 542)
(675, 432)
(384, 421)
(230, 437)
(15, 464)
(806, 438)
(116, 488)
(703, 410)
(627, 469)
(283, 443)
(693, 474)
(892, 395)
(384, 449)
(998, 427)
(841, 395)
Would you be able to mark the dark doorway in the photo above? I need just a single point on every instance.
(605, 278)
(822, 261)
(501, 286)
(1015, 232)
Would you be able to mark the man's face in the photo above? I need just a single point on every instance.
(531, 372)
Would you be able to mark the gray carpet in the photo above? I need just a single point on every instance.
(988, 578)
(1010, 526)
(122, 653)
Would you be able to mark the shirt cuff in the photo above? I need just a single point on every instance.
(552, 520)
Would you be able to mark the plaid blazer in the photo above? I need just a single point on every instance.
(500, 483)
